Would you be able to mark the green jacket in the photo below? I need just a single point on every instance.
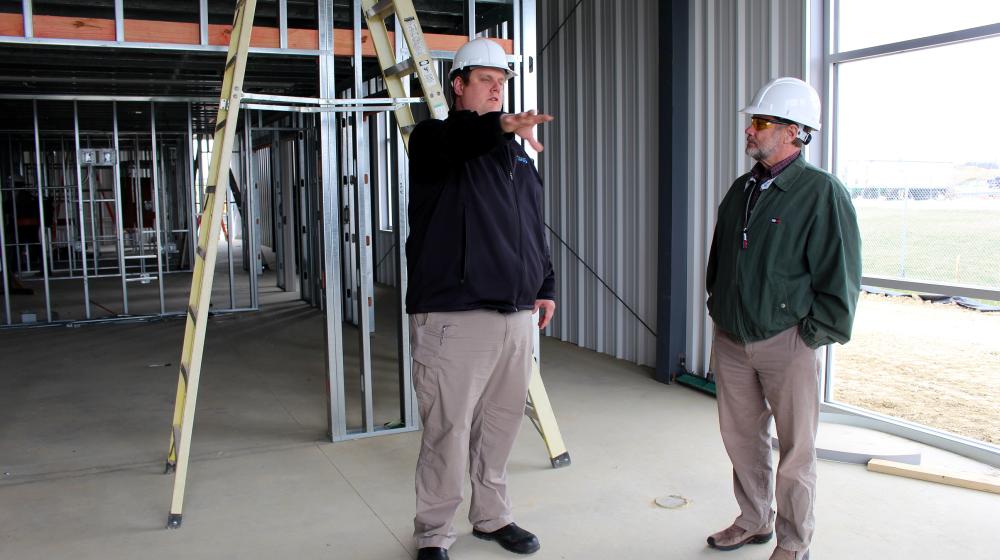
(802, 263)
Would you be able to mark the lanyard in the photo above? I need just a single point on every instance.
(759, 190)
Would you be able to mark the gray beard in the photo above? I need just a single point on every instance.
(755, 153)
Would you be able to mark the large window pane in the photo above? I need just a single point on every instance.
(922, 158)
(916, 143)
(864, 23)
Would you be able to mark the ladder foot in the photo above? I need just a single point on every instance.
(170, 467)
(174, 521)
(561, 460)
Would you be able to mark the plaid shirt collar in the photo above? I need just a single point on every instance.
(761, 173)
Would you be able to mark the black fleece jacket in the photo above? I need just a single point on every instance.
(477, 236)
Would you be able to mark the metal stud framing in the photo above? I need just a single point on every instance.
(39, 180)
(75, 250)
(3, 248)
(331, 229)
(319, 196)
(79, 190)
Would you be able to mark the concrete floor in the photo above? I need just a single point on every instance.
(84, 426)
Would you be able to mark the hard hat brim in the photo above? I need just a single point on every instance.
(509, 73)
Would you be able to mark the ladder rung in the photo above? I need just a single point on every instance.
(192, 314)
(201, 251)
(406, 129)
(381, 9)
(184, 373)
(403, 68)
(221, 125)
(529, 411)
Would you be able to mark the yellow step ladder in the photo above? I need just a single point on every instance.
(539, 411)
(538, 408)
(208, 245)
(419, 62)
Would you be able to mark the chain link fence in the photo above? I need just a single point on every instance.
(945, 235)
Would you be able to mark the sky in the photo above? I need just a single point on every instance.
(940, 104)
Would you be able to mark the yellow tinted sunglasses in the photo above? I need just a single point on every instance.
(760, 123)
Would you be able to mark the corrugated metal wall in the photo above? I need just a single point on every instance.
(599, 77)
(736, 46)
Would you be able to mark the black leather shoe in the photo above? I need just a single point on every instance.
(432, 553)
(512, 538)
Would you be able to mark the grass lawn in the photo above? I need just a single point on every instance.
(956, 242)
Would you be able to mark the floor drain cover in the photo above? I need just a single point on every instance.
(672, 501)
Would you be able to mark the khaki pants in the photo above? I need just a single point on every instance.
(776, 377)
(470, 371)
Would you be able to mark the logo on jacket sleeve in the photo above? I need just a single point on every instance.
(522, 159)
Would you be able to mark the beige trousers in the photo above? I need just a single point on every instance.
(470, 371)
(779, 378)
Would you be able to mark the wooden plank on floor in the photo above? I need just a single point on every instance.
(932, 474)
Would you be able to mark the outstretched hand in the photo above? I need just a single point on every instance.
(523, 125)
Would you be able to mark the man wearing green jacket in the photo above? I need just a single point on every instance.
(783, 279)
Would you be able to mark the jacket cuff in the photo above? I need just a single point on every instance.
(495, 118)
(810, 336)
(548, 290)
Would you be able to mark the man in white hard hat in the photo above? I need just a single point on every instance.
(479, 267)
(783, 279)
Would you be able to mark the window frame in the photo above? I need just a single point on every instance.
(826, 28)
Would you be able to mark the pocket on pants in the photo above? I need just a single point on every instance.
(422, 350)
(425, 384)
(451, 336)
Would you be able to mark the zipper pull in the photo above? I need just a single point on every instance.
(745, 242)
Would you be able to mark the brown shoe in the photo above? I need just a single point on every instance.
(734, 537)
(785, 554)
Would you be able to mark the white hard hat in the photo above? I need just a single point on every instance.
(787, 98)
(482, 52)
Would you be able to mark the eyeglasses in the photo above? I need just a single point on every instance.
(760, 123)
